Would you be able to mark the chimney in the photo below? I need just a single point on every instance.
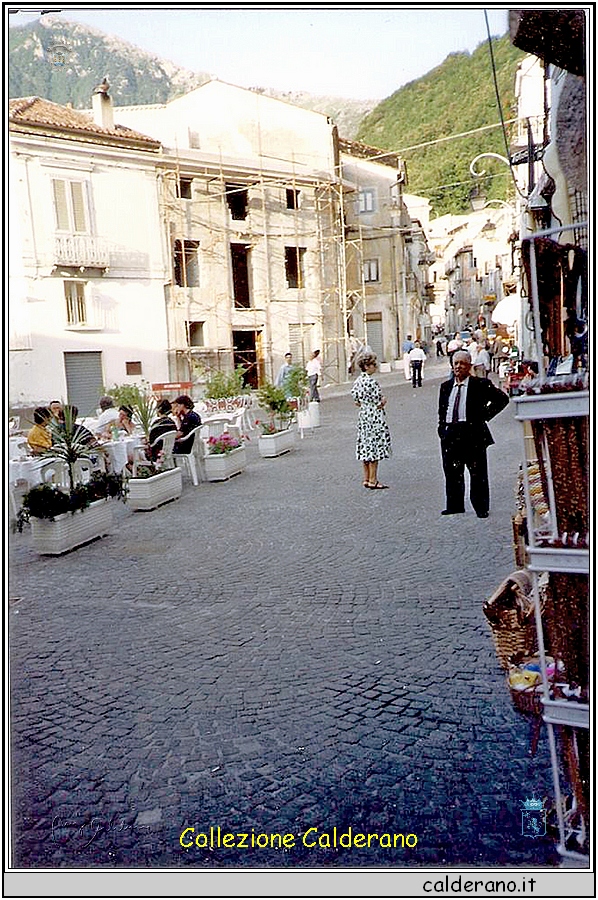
(101, 102)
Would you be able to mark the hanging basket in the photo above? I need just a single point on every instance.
(510, 614)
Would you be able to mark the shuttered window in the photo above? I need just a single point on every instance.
(79, 219)
(70, 206)
(61, 205)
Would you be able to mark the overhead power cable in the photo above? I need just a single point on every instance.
(452, 137)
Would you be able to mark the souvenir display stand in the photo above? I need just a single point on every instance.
(555, 429)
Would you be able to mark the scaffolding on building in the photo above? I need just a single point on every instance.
(336, 253)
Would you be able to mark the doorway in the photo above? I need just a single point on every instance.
(247, 352)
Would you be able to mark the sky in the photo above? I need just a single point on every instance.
(359, 51)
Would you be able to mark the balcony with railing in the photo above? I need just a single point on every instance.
(80, 250)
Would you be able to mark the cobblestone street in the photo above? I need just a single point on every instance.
(279, 652)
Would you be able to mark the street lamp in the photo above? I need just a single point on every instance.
(472, 167)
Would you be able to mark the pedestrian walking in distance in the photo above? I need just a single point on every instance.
(407, 348)
(314, 370)
(417, 358)
(465, 405)
(373, 434)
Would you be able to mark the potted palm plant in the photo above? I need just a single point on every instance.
(154, 481)
(276, 437)
(64, 516)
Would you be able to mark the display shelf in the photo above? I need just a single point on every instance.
(566, 712)
(558, 559)
(555, 405)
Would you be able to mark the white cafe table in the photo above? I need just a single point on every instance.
(121, 452)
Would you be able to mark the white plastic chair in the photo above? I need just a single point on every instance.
(167, 440)
(82, 470)
(191, 461)
(54, 472)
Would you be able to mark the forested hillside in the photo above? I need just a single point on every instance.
(135, 77)
(456, 96)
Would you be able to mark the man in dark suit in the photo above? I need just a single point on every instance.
(466, 404)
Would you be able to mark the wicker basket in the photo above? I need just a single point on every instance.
(510, 614)
(528, 700)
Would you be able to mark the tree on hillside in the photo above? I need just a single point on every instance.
(455, 97)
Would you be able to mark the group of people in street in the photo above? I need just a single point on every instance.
(112, 422)
(468, 400)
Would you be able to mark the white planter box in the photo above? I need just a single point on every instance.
(70, 530)
(220, 466)
(276, 444)
(148, 493)
(314, 413)
(384, 367)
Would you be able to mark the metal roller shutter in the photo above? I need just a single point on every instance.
(374, 329)
(84, 380)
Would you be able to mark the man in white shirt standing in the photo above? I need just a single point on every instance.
(465, 406)
(417, 358)
(314, 370)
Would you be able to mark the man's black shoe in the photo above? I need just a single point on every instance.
(451, 512)
(483, 515)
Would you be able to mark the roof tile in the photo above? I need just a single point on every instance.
(39, 112)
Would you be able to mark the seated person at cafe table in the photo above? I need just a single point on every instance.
(39, 438)
(160, 426)
(82, 434)
(125, 419)
(108, 415)
(188, 419)
(55, 407)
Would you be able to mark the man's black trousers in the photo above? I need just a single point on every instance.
(461, 449)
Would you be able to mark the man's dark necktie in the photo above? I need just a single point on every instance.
(455, 418)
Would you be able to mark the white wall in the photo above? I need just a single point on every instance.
(126, 308)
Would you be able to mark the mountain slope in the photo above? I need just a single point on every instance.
(456, 96)
(135, 77)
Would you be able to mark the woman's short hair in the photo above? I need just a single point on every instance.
(367, 359)
(185, 401)
(164, 407)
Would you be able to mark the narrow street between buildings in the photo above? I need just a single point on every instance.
(286, 653)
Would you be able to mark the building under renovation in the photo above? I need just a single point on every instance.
(233, 228)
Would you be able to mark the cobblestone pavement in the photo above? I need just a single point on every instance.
(279, 652)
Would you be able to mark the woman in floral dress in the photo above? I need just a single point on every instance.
(373, 435)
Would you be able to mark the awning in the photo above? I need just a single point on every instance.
(508, 310)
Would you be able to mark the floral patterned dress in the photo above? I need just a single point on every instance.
(373, 434)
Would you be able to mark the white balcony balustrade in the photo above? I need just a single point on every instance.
(81, 250)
